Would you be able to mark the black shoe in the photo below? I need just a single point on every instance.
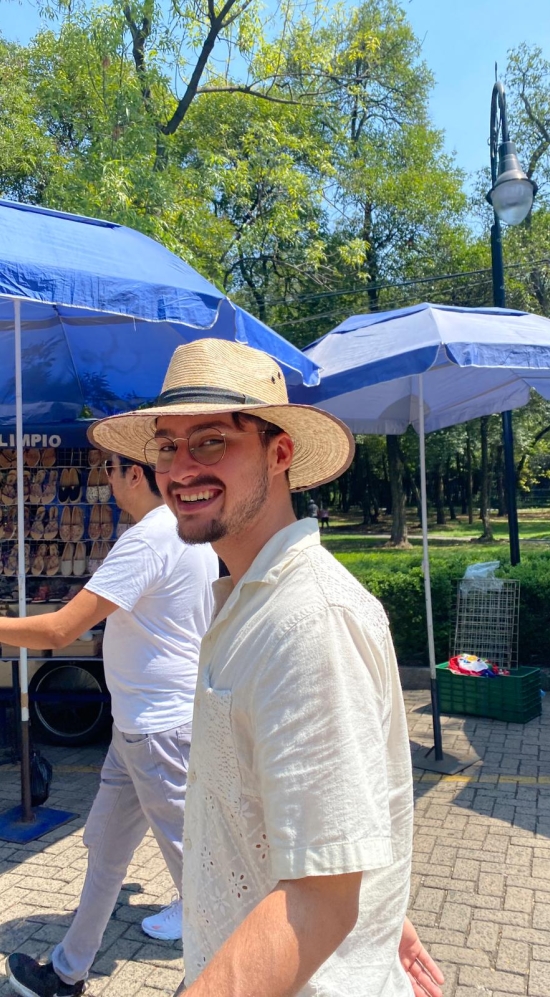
(30, 979)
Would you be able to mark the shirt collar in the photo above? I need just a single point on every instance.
(267, 566)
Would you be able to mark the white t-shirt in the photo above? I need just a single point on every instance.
(300, 762)
(151, 645)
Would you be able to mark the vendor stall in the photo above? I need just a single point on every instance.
(90, 314)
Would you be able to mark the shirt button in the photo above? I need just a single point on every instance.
(188, 844)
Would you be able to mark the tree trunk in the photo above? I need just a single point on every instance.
(461, 487)
(469, 480)
(399, 520)
(485, 494)
(449, 484)
(439, 497)
(501, 491)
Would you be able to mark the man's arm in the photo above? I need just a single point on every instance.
(53, 630)
(284, 940)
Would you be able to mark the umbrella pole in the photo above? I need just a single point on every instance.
(438, 745)
(23, 671)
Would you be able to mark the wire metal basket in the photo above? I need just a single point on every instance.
(487, 620)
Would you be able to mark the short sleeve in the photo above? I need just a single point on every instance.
(130, 571)
(320, 759)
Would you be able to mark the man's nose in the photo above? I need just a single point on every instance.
(183, 467)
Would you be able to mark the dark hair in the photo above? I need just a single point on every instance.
(148, 472)
(241, 418)
(269, 429)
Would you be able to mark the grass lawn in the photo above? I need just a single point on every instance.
(347, 534)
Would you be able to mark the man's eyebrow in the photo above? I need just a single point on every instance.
(211, 424)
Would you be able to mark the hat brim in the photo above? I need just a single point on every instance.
(323, 445)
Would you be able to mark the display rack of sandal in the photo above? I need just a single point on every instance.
(71, 521)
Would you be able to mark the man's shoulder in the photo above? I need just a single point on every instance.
(315, 581)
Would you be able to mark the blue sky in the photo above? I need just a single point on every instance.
(462, 39)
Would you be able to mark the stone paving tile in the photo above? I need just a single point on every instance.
(480, 894)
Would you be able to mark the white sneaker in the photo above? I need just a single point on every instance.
(166, 924)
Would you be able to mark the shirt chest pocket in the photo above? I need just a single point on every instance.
(215, 759)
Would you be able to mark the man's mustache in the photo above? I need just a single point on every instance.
(198, 484)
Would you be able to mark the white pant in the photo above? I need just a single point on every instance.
(143, 783)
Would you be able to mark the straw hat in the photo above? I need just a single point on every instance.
(215, 376)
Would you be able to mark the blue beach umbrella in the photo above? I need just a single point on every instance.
(429, 366)
(90, 314)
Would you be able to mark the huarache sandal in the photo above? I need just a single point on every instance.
(106, 522)
(52, 561)
(37, 527)
(67, 560)
(92, 494)
(48, 457)
(94, 525)
(104, 488)
(75, 485)
(64, 485)
(66, 524)
(8, 458)
(50, 488)
(35, 497)
(79, 560)
(94, 559)
(10, 524)
(95, 457)
(9, 492)
(31, 456)
(38, 565)
(52, 526)
(77, 524)
(10, 563)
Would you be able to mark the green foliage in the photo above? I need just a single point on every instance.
(395, 577)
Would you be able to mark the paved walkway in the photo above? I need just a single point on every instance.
(481, 881)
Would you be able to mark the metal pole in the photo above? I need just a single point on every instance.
(499, 299)
(499, 123)
(438, 743)
(23, 671)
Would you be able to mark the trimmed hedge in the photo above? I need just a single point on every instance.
(395, 577)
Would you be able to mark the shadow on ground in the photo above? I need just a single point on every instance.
(36, 935)
(510, 782)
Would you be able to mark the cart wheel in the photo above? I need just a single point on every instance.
(68, 709)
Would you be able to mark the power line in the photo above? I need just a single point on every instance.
(392, 303)
(367, 288)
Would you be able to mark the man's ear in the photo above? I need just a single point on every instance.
(283, 452)
(137, 476)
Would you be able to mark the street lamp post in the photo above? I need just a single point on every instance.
(511, 197)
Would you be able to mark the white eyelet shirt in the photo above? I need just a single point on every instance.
(300, 762)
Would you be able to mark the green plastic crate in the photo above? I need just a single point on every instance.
(514, 698)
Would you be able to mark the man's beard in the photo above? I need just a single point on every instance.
(231, 524)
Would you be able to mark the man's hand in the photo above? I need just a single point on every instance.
(423, 972)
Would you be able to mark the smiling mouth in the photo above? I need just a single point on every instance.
(203, 496)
